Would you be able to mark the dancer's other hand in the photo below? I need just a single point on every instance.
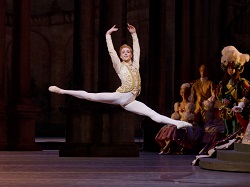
(113, 29)
(131, 28)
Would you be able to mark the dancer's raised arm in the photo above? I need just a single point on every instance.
(114, 57)
(136, 46)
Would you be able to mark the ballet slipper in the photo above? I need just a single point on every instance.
(183, 124)
(55, 89)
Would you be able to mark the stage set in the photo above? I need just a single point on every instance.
(48, 139)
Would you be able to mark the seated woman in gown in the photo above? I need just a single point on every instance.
(177, 141)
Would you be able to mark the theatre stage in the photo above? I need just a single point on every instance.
(45, 168)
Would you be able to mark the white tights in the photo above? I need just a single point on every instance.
(125, 100)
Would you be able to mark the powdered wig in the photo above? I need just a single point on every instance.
(187, 88)
(231, 56)
(185, 85)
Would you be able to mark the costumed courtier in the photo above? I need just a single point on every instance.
(233, 91)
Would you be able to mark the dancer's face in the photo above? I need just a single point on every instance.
(126, 54)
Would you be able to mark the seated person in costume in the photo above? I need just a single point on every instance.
(173, 140)
(202, 90)
(214, 127)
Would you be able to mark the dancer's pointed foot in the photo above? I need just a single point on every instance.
(183, 124)
(55, 89)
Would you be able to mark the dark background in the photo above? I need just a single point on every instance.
(68, 49)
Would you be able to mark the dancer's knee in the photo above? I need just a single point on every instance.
(90, 96)
(84, 95)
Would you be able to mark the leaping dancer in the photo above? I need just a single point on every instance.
(127, 70)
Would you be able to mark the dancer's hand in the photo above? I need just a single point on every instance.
(113, 29)
(131, 28)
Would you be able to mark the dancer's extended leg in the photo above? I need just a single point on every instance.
(122, 99)
(142, 109)
(114, 98)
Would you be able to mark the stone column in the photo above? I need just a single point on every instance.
(80, 119)
(3, 117)
(157, 71)
(22, 113)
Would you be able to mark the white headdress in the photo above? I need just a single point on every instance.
(230, 55)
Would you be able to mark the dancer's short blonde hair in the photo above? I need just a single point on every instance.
(125, 46)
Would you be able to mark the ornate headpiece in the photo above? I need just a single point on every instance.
(233, 58)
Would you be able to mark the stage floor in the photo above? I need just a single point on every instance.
(47, 169)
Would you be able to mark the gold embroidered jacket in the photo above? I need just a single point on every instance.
(201, 92)
(128, 74)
